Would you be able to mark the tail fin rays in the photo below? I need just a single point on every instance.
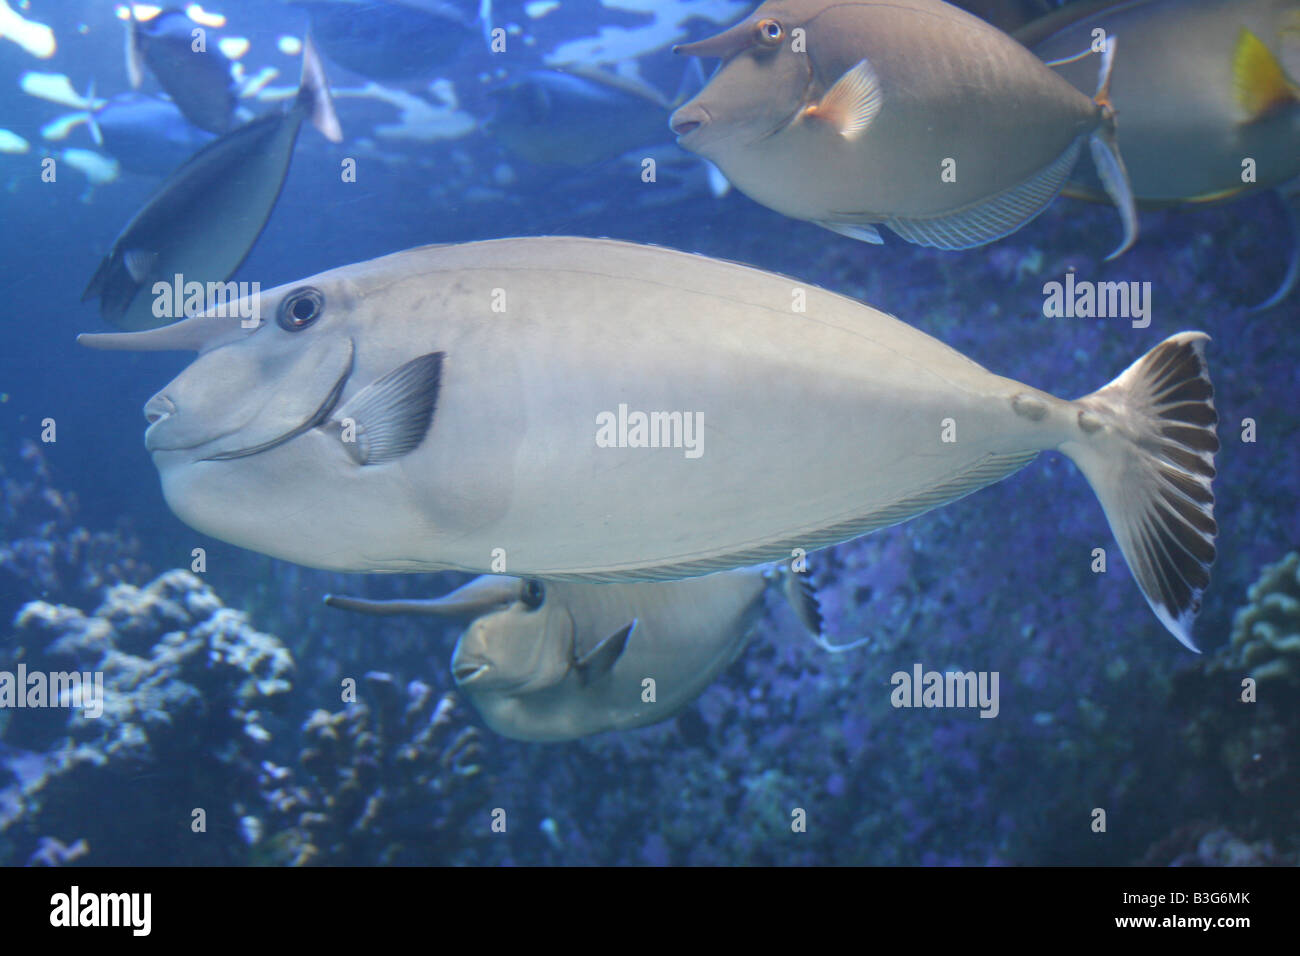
(1149, 456)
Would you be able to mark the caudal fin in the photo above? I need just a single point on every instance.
(1104, 144)
(314, 94)
(1147, 448)
(798, 589)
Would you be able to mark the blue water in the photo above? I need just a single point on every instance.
(1100, 707)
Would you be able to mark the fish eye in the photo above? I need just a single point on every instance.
(770, 31)
(300, 308)
(534, 593)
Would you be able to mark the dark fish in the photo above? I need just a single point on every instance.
(189, 66)
(576, 119)
(146, 134)
(205, 218)
(1007, 14)
(389, 39)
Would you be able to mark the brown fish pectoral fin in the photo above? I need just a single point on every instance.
(390, 417)
(1260, 84)
(851, 104)
(600, 660)
(1290, 196)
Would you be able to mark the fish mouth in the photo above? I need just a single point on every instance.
(469, 671)
(161, 408)
(688, 119)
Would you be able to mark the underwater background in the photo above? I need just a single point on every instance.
(223, 688)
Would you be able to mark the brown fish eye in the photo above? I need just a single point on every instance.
(534, 593)
(300, 309)
(770, 32)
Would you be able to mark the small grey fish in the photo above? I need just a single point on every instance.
(192, 69)
(908, 113)
(558, 660)
(202, 222)
(389, 39)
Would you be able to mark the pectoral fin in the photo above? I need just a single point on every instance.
(1260, 84)
(390, 417)
(851, 104)
(599, 661)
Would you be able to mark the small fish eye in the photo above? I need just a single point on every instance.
(300, 309)
(534, 593)
(770, 31)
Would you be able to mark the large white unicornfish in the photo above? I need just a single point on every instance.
(467, 405)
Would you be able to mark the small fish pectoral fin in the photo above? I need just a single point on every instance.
(391, 415)
(138, 263)
(861, 231)
(1259, 82)
(852, 103)
(992, 218)
(600, 660)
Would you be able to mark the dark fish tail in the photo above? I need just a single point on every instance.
(1146, 445)
(314, 95)
(1104, 143)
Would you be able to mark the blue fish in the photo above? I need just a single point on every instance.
(146, 134)
(389, 39)
(187, 64)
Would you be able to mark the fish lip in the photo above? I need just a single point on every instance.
(470, 671)
(697, 118)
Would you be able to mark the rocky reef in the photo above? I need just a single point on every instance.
(44, 551)
(1242, 715)
(389, 779)
(167, 771)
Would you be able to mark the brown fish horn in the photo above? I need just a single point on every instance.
(725, 45)
(488, 592)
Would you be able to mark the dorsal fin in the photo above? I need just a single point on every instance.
(1259, 82)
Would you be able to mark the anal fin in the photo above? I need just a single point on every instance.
(992, 218)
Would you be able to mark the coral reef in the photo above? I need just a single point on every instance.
(1266, 630)
(44, 553)
(1242, 714)
(187, 689)
(390, 779)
